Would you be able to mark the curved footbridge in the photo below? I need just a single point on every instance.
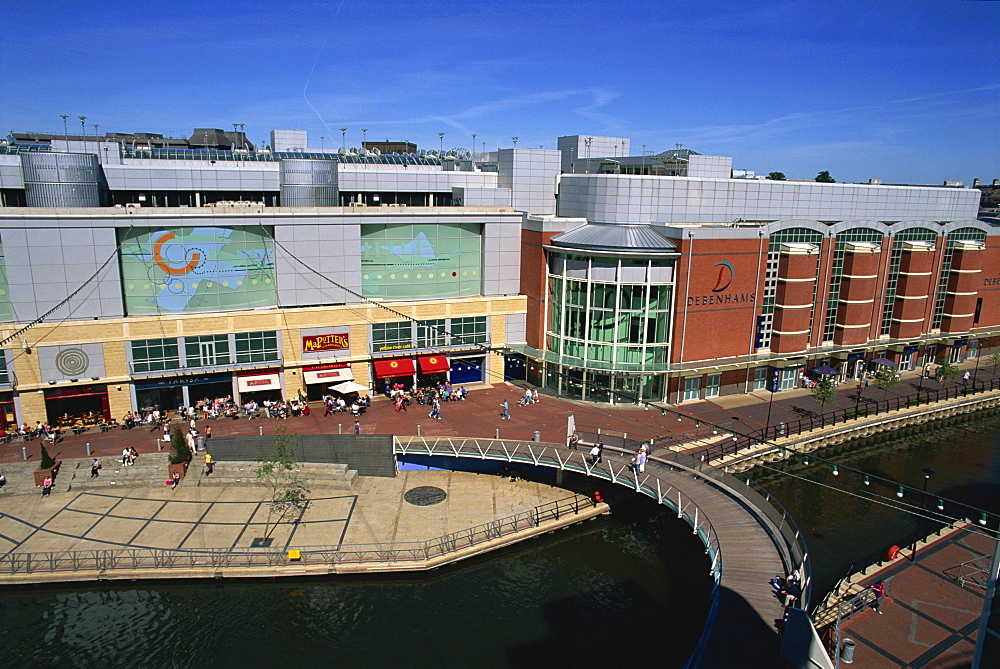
(747, 535)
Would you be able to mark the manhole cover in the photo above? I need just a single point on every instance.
(425, 495)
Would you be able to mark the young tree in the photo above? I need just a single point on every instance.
(824, 392)
(885, 379)
(947, 370)
(994, 359)
(776, 176)
(824, 177)
(276, 469)
(179, 451)
(46, 460)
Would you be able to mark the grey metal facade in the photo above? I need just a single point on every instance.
(309, 183)
(61, 179)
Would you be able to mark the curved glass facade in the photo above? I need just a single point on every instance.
(609, 317)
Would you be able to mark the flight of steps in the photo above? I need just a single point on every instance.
(151, 469)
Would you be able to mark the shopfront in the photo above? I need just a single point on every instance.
(259, 385)
(470, 369)
(87, 403)
(433, 370)
(8, 418)
(319, 378)
(392, 371)
(172, 393)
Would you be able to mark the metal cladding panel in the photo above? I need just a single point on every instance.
(309, 196)
(296, 172)
(61, 179)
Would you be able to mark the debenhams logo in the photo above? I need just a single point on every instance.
(722, 283)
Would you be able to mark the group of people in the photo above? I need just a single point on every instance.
(129, 455)
(355, 404)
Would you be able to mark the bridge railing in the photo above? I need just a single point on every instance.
(613, 466)
(812, 420)
(343, 554)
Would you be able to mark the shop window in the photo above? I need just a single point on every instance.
(713, 385)
(956, 354)
(4, 374)
(760, 378)
(789, 378)
(692, 388)
(256, 347)
(207, 351)
(469, 330)
(155, 355)
(392, 336)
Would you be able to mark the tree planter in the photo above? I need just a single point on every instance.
(42, 474)
(181, 469)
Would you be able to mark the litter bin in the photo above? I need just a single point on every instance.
(201, 443)
(538, 436)
(847, 651)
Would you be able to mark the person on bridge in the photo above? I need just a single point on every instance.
(878, 587)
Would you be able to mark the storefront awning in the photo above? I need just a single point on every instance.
(251, 384)
(431, 364)
(349, 387)
(328, 375)
(390, 367)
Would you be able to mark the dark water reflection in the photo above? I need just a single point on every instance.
(844, 531)
(578, 598)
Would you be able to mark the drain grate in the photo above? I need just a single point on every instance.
(425, 495)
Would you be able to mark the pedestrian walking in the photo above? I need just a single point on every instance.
(95, 468)
(878, 587)
(600, 450)
(574, 442)
(357, 426)
(435, 410)
(595, 455)
(640, 461)
(534, 395)
(209, 464)
(505, 413)
(965, 378)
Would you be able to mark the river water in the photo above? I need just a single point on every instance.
(628, 587)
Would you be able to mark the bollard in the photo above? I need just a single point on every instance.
(498, 433)
(538, 436)
(159, 445)
(24, 452)
(88, 450)
(261, 428)
(340, 428)
(418, 430)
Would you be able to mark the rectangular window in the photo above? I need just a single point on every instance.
(207, 351)
(256, 347)
(4, 375)
(692, 388)
(760, 378)
(470, 330)
(431, 333)
(392, 336)
(155, 355)
(789, 378)
(713, 385)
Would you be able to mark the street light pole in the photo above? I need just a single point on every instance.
(83, 125)
(770, 402)
(927, 472)
(65, 129)
(441, 137)
(343, 134)
(364, 137)
(514, 139)
(473, 146)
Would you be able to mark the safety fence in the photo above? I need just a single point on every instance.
(731, 444)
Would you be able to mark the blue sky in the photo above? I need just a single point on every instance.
(906, 91)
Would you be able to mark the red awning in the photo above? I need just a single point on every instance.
(431, 364)
(390, 367)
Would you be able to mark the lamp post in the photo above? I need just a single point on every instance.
(83, 125)
(343, 135)
(473, 146)
(587, 141)
(441, 152)
(770, 402)
(65, 128)
(927, 472)
(975, 374)
(514, 139)
(322, 143)
(364, 136)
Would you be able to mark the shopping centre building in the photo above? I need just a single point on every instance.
(136, 277)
